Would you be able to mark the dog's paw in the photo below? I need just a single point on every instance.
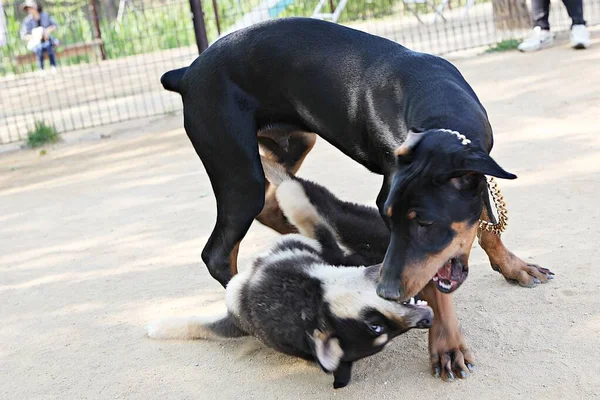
(449, 356)
(517, 271)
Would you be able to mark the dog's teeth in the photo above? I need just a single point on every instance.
(412, 301)
(421, 303)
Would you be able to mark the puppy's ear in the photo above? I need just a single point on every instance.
(482, 163)
(412, 139)
(327, 349)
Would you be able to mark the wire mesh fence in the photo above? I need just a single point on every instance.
(112, 52)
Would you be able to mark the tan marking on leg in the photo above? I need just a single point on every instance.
(233, 256)
(272, 216)
(447, 348)
(509, 265)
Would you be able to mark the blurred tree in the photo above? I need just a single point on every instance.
(511, 14)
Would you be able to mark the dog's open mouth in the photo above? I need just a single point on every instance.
(452, 274)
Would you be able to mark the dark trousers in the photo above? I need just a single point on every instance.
(39, 52)
(541, 9)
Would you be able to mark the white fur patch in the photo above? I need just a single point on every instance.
(349, 291)
(285, 255)
(328, 350)
(297, 207)
(295, 237)
(254, 274)
(274, 172)
(234, 288)
(381, 340)
(184, 328)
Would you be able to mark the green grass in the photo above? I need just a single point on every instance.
(42, 134)
(504, 45)
(146, 30)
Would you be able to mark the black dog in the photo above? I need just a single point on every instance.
(408, 116)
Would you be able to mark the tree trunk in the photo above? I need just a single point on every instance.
(511, 14)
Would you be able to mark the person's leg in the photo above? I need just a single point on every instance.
(540, 37)
(39, 53)
(575, 10)
(540, 10)
(51, 55)
(580, 36)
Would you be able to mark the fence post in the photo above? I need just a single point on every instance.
(97, 31)
(199, 26)
(216, 10)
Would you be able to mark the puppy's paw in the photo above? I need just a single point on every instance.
(341, 376)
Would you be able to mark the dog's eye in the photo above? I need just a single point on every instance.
(376, 329)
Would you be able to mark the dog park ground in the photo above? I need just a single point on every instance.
(100, 236)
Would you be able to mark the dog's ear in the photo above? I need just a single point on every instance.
(482, 163)
(412, 139)
(327, 350)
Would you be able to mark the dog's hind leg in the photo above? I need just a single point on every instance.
(223, 133)
(287, 146)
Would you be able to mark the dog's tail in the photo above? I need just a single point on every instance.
(275, 173)
(189, 328)
(171, 80)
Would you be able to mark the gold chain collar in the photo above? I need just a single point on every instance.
(500, 205)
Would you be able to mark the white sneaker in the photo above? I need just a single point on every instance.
(580, 37)
(53, 69)
(539, 39)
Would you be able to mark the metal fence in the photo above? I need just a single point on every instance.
(112, 52)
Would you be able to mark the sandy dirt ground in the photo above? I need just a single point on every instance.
(100, 237)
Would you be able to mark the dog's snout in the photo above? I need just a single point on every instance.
(389, 290)
(425, 323)
(422, 317)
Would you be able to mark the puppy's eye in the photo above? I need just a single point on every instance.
(376, 329)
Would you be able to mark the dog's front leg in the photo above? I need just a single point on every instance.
(509, 265)
(449, 355)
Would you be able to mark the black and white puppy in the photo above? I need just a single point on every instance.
(355, 229)
(295, 301)
(355, 232)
